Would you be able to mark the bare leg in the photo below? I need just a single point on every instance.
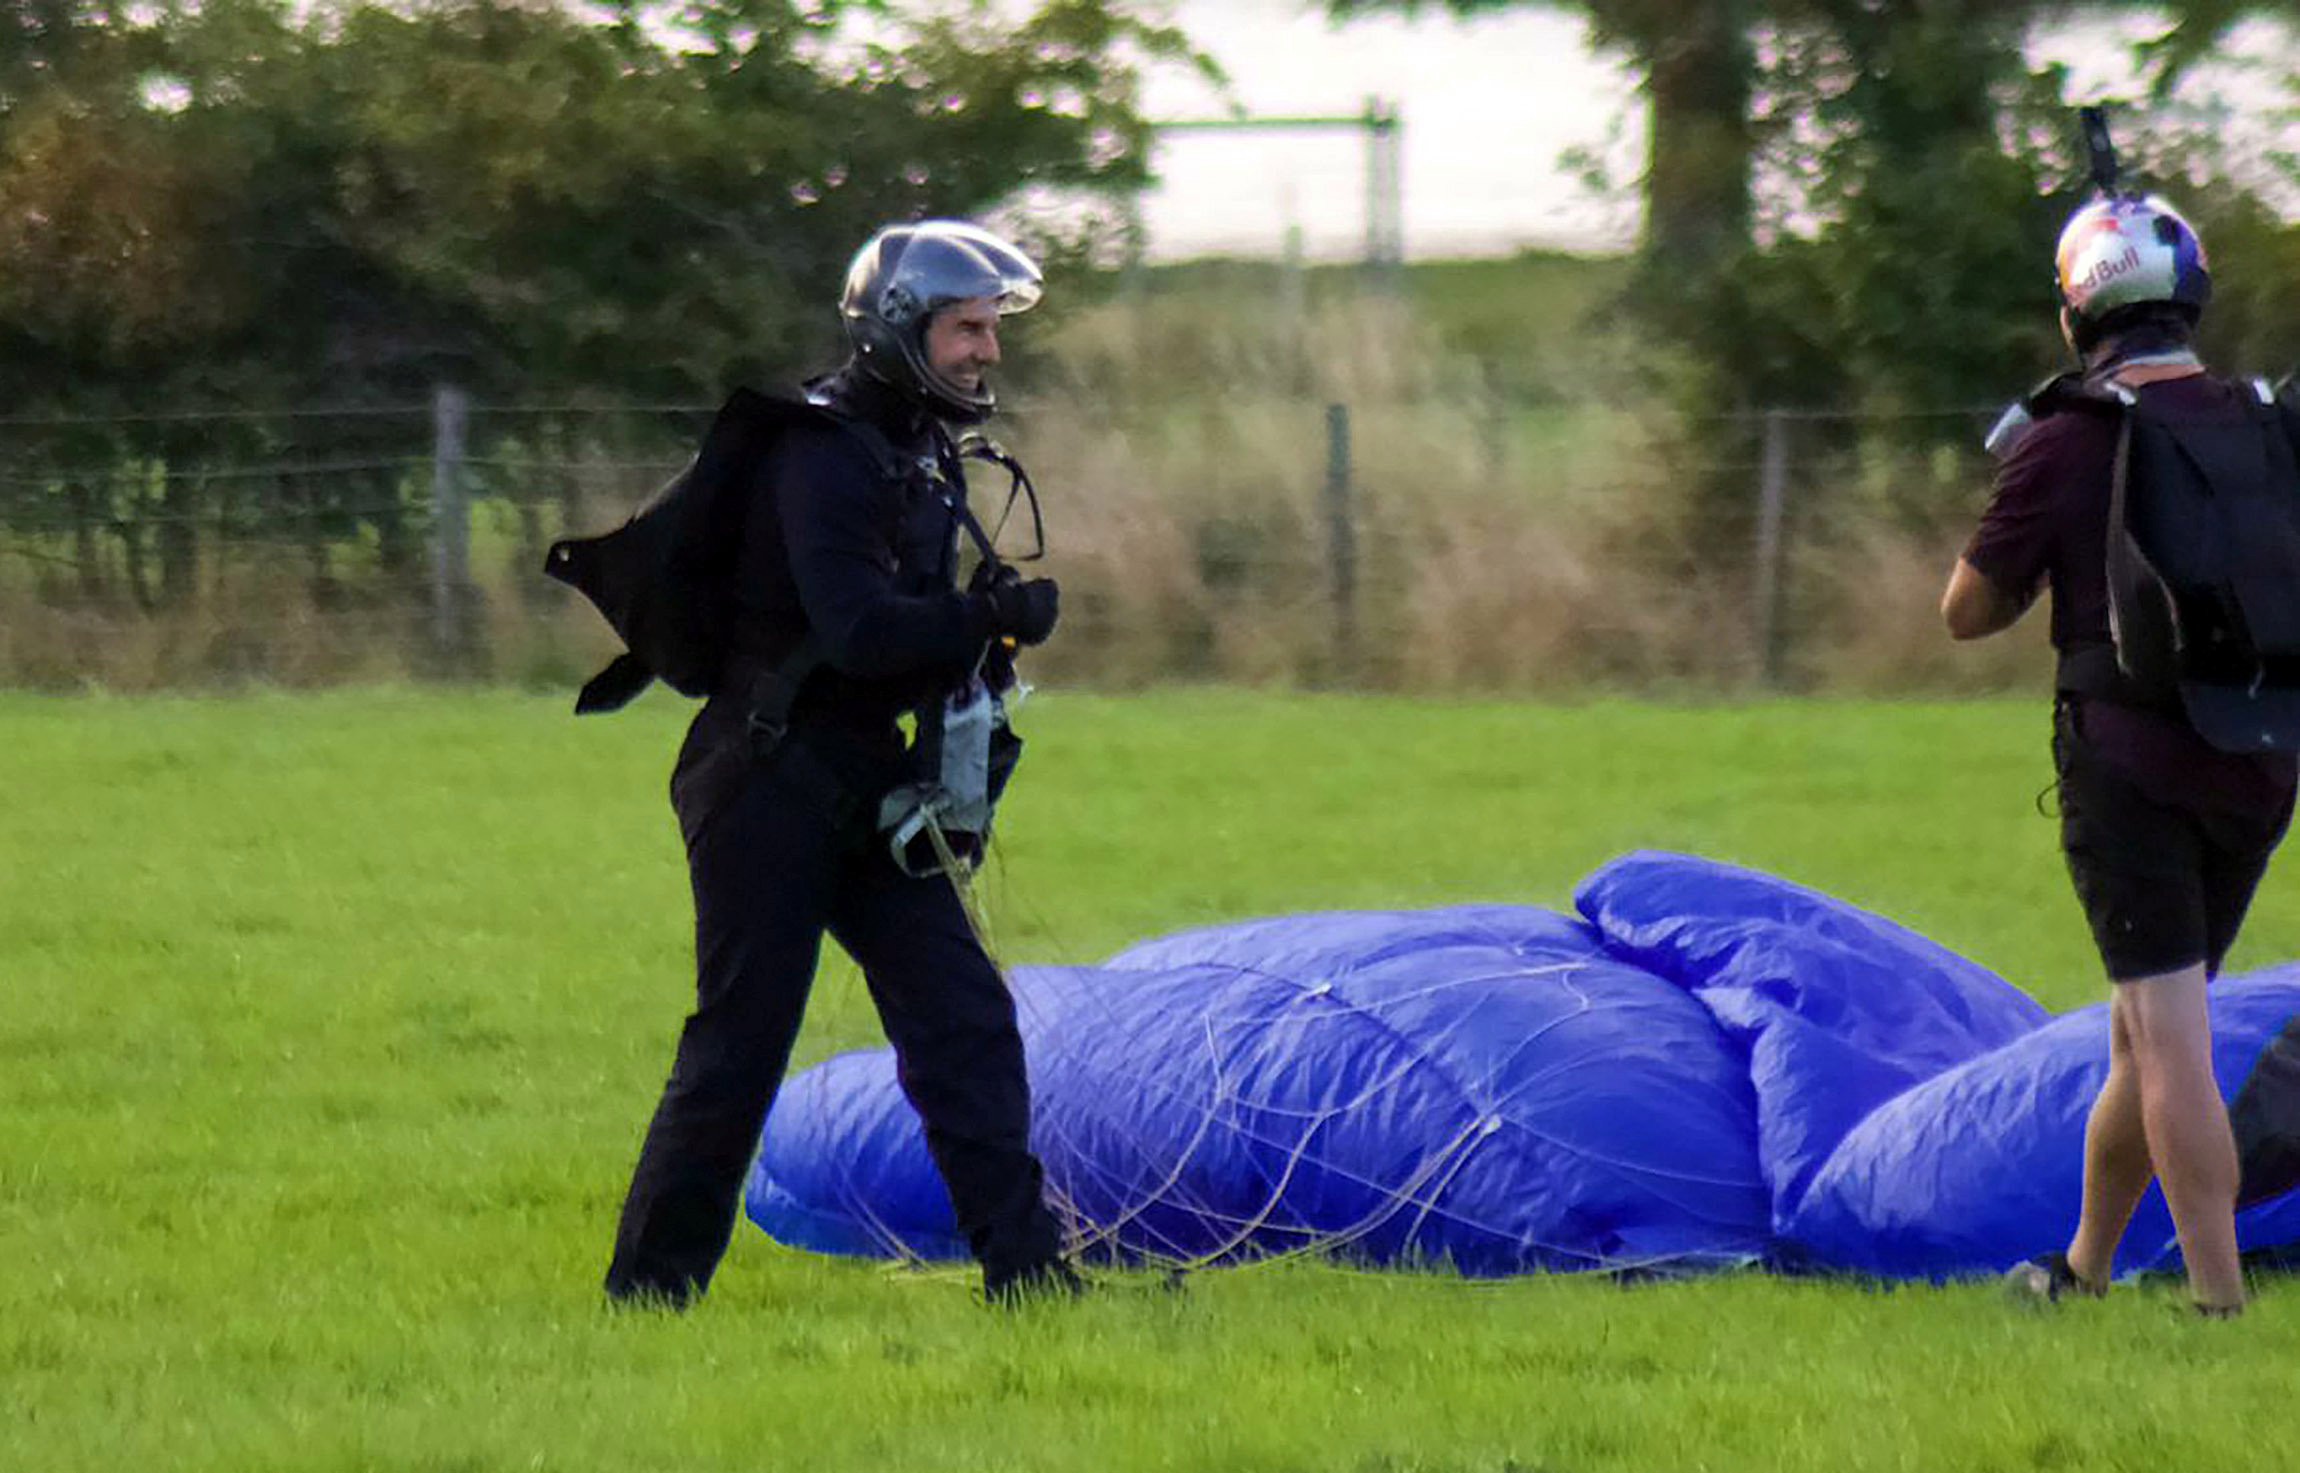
(2117, 1168)
(2187, 1125)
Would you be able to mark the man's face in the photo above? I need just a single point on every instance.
(962, 342)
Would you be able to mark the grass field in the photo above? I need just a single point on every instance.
(328, 1026)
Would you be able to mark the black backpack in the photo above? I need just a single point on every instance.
(2203, 566)
(664, 579)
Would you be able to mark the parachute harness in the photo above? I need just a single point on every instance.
(958, 746)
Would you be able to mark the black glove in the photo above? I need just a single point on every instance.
(1023, 611)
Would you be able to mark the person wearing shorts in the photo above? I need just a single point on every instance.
(2166, 836)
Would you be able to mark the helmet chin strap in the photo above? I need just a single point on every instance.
(981, 389)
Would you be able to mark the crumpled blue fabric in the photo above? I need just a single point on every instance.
(1836, 1009)
(1707, 1066)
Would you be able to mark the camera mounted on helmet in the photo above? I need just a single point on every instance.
(2125, 259)
(905, 274)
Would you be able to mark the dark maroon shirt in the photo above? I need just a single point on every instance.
(2047, 525)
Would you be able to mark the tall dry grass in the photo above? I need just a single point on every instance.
(1180, 442)
(1499, 546)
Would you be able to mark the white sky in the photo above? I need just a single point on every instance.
(1489, 105)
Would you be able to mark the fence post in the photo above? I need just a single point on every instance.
(1772, 489)
(1294, 307)
(1341, 540)
(451, 525)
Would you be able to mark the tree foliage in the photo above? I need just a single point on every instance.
(1851, 204)
(278, 205)
(225, 198)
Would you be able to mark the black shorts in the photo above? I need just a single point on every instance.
(2164, 885)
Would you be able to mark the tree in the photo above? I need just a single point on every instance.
(1699, 69)
(213, 203)
(1702, 72)
(369, 198)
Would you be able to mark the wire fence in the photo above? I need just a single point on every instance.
(1429, 545)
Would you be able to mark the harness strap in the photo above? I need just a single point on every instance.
(768, 699)
(2106, 671)
(2124, 558)
(774, 690)
(896, 466)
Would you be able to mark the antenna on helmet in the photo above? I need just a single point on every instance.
(2099, 150)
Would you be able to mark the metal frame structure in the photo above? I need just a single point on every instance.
(1383, 125)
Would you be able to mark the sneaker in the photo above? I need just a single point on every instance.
(2197, 1309)
(2048, 1280)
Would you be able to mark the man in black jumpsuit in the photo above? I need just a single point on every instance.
(779, 832)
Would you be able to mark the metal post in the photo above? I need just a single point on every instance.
(451, 521)
(1293, 280)
(1382, 125)
(1342, 540)
(1294, 309)
(1772, 490)
(1385, 191)
(1135, 234)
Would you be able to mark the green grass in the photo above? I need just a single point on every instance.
(328, 1026)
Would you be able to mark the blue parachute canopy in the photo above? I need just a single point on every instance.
(1481, 1085)
(1834, 1010)
(1707, 1066)
(1980, 1166)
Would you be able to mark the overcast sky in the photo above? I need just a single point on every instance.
(1489, 105)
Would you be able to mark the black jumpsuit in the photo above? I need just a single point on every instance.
(834, 547)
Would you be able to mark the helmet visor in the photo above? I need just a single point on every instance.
(948, 261)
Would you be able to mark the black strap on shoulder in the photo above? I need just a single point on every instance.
(2279, 425)
(885, 459)
(896, 466)
(2111, 671)
(952, 458)
(2125, 559)
(773, 692)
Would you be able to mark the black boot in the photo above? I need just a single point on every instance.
(1048, 1279)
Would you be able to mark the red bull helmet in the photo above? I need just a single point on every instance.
(2126, 250)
